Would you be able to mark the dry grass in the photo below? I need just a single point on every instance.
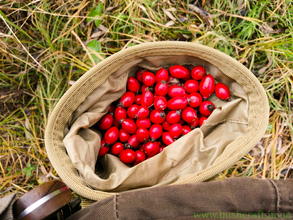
(43, 50)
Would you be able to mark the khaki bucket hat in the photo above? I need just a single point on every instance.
(233, 129)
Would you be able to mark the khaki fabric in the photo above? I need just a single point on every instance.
(230, 132)
(234, 198)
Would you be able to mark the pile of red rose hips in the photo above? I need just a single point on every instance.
(156, 110)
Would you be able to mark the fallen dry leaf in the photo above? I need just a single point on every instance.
(169, 14)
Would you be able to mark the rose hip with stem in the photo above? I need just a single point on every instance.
(104, 148)
(133, 142)
(206, 108)
(127, 99)
(147, 98)
(132, 110)
(142, 134)
(120, 114)
(194, 99)
(157, 116)
(162, 88)
(194, 124)
(173, 116)
(142, 112)
(129, 125)
(156, 131)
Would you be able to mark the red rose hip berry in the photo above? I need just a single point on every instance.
(156, 131)
(133, 142)
(206, 108)
(176, 90)
(104, 148)
(129, 125)
(148, 78)
(143, 123)
(167, 138)
(142, 134)
(132, 110)
(222, 91)
(173, 116)
(127, 156)
(202, 120)
(178, 71)
(142, 112)
(175, 130)
(207, 86)
(166, 126)
(138, 99)
(117, 148)
(147, 98)
(152, 148)
(103, 151)
(194, 99)
(111, 135)
(120, 114)
(140, 157)
(162, 75)
(157, 116)
(139, 74)
(162, 88)
(191, 86)
(127, 99)
(186, 129)
(106, 122)
(177, 103)
(160, 103)
(123, 135)
(189, 115)
(133, 84)
(194, 124)
(198, 72)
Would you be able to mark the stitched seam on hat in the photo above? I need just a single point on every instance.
(278, 195)
(232, 120)
(116, 206)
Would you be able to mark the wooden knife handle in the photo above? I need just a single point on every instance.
(42, 202)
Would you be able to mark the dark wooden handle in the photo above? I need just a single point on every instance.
(43, 201)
